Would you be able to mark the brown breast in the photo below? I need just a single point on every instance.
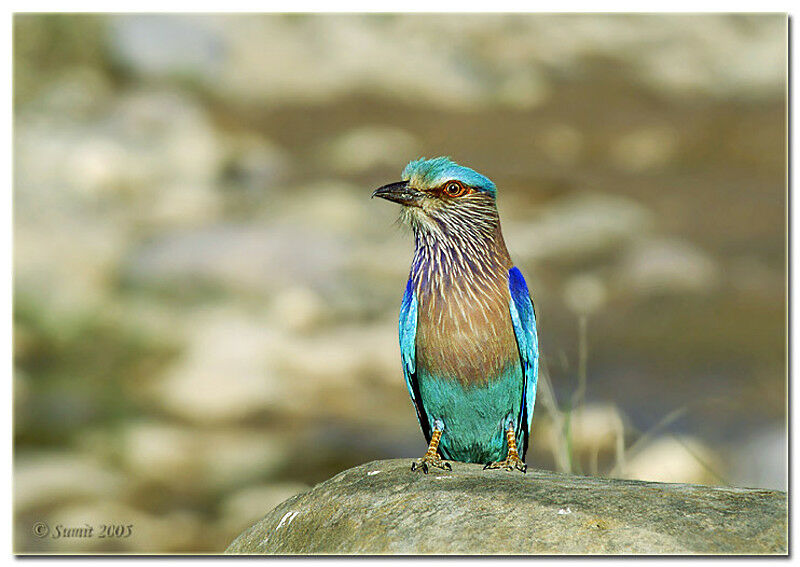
(464, 329)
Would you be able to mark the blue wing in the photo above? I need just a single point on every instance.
(408, 336)
(524, 320)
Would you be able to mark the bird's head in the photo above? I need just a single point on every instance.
(440, 197)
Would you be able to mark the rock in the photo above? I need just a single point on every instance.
(382, 507)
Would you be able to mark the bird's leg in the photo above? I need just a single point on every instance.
(513, 461)
(431, 458)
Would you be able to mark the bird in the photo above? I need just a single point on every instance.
(468, 342)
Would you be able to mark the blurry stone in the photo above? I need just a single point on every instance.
(180, 204)
(166, 45)
(523, 88)
(324, 371)
(673, 459)
(596, 427)
(161, 452)
(175, 153)
(751, 274)
(667, 266)
(579, 225)
(450, 60)
(195, 460)
(224, 373)
(293, 49)
(562, 144)
(760, 459)
(44, 479)
(339, 207)
(298, 309)
(645, 149)
(97, 165)
(64, 252)
(382, 507)
(241, 257)
(24, 398)
(79, 92)
(67, 269)
(367, 147)
(590, 438)
(162, 324)
(255, 164)
(585, 294)
(81, 186)
(679, 54)
(22, 386)
(238, 456)
(172, 131)
(385, 257)
(319, 57)
(61, 162)
(235, 366)
(50, 46)
(247, 506)
(743, 57)
(143, 142)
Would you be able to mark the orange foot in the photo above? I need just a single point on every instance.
(512, 460)
(511, 463)
(431, 458)
(430, 461)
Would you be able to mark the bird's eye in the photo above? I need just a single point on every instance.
(454, 189)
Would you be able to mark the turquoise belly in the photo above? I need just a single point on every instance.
(474, 416)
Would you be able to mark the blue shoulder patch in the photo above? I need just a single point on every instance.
(523, 318)
(408, 331)
(408, 353)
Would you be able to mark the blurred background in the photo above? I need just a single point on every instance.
(205, 297)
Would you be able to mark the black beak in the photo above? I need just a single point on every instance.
(400, 192)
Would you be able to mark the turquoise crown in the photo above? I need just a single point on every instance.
(427, 173)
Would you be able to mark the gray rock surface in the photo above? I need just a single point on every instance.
(383, 508)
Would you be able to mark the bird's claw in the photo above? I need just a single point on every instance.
(430, 461)
(509, 464)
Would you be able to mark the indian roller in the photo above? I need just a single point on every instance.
(468, 341)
